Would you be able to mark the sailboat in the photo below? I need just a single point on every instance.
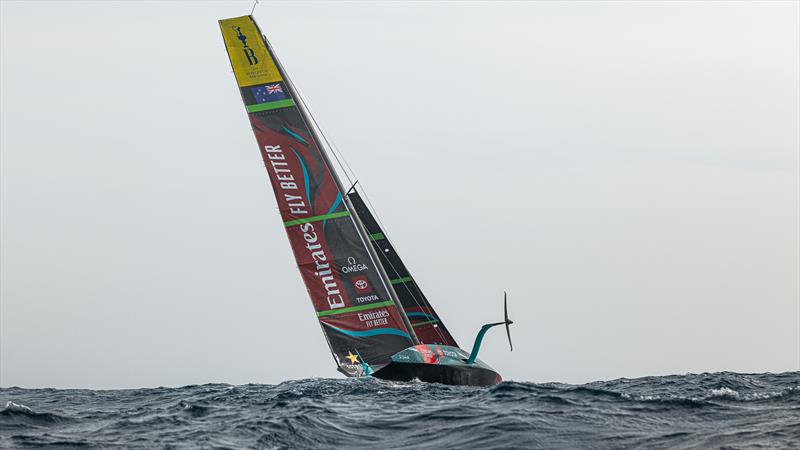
(373, 314)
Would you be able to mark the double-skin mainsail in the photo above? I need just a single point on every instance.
(368, 305)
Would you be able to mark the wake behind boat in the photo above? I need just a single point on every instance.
(374, 316)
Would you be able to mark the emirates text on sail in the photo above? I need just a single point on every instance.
(298, 206)
(324, 272)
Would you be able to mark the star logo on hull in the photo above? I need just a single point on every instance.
(353, 358)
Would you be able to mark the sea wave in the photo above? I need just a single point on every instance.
(686, 411)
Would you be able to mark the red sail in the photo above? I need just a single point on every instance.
(353, 305)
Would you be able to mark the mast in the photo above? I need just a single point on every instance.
(313, 129)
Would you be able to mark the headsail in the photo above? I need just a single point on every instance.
(353, 303)
(427, 324)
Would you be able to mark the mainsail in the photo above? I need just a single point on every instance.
(351, 294)
(426, 323)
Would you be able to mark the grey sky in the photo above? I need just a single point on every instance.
(630, 173)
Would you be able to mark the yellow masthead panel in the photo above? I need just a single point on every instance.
(251, 61)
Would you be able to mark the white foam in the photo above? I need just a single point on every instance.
(724, 392)
(11, 406)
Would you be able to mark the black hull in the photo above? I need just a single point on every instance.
(459, 375)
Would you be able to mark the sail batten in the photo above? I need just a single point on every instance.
(359, 313)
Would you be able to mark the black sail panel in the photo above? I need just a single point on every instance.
(428, 326)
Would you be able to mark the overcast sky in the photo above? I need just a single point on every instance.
(628, 172)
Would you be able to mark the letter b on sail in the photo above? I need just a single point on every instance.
(251, 56)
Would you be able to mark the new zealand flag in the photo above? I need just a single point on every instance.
(268, 93)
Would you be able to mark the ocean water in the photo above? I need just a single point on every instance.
(711, 410)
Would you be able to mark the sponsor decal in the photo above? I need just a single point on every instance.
(250, 59)
(402, 357)
(428, 356)
(353, 266)
(248, 52)
(361, 284)
(286, 179)
(323, 272)
(450, 354)
(353, 358)
(367, 299)
(374, 318)
(268, 93)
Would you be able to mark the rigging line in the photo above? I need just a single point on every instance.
(410, 292)
(330, 143)
(332, 146)
(438, 329)
(386, 236)
(363, 190)
(334, 149)
(336, 153)
(301, 98)
(366, 196)
(254, 7)
(327, 143)
(324, 136)
(316, 124)
(414, 297)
